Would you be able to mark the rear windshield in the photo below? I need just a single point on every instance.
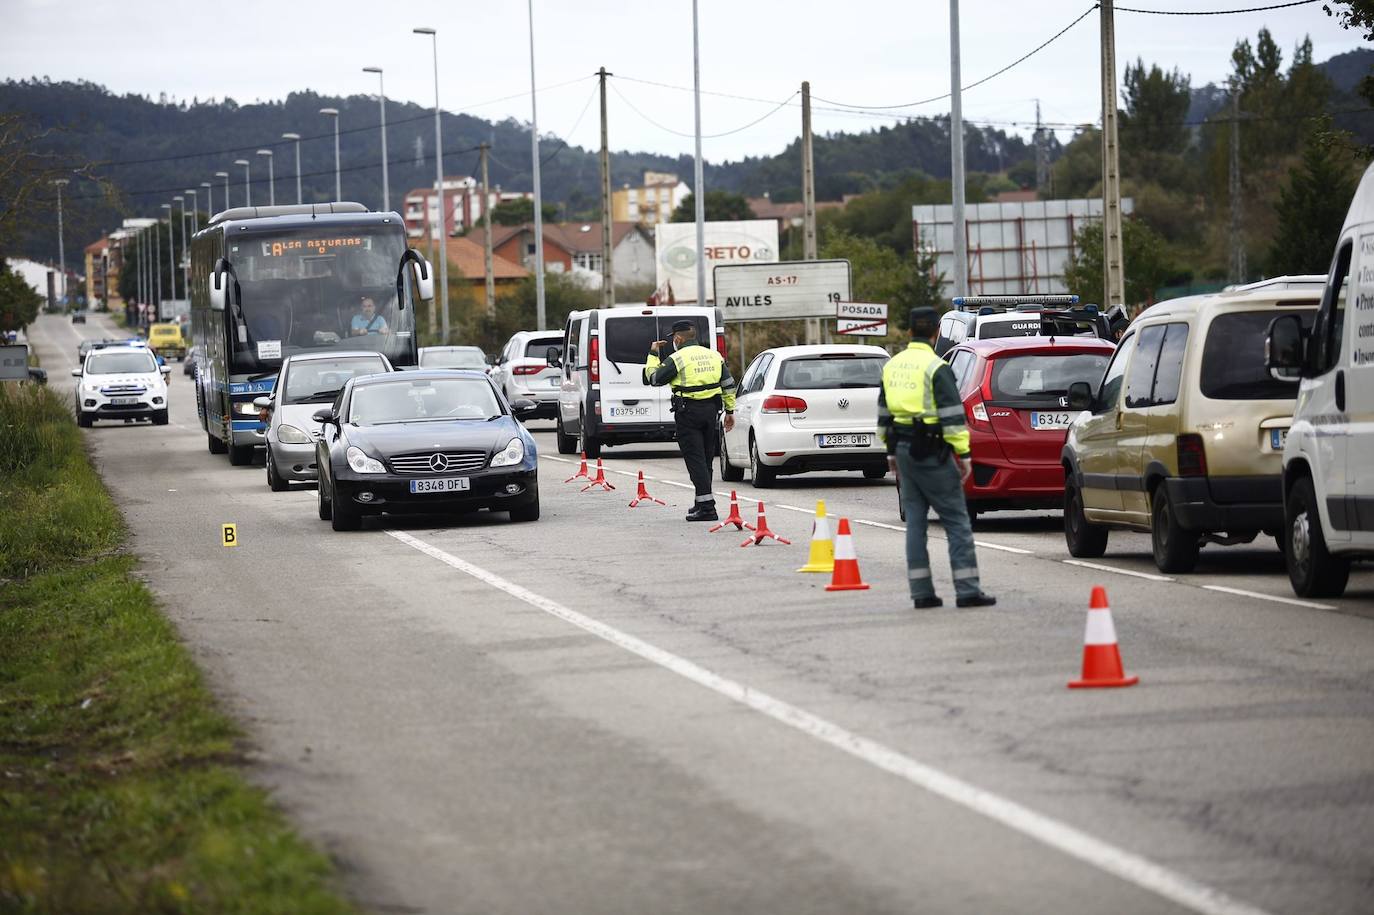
(453, 359)
(126, 363)
(1233, 357)
(627, 339)
(538, 349)
(318, 380)
(1046, 376)
(810, 373)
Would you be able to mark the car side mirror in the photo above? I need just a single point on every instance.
(493, 359)
(325, 416)
(76, 373)
(523, 407)
(1080, 396)
(262, 403)
(165, 369)
(1284, 348)
(553, 357)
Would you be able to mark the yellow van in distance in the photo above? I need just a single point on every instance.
(166, 341)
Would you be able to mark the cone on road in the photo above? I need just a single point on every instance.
(581, 471)
(734, 516)
(762, 533)
(599, 479)
(822, 555)
(1101, 656)
(643, 494)
(846, 577)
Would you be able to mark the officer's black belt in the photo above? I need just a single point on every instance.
(693, 388)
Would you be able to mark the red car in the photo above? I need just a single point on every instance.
(1015, 392)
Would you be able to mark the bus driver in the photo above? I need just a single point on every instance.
(368, 321)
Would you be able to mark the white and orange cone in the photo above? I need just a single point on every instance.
(846, 576)
(643, 494)
(734, 517)
(762, 533)
(600, 479)
(581, 471)
(1101, 656)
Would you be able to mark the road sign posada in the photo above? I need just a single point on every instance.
(781, 291)
(861, 319)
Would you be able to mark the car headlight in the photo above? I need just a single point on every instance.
(361, 463)
(513, 453)
(290, 435)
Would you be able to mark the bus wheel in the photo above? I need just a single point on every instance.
(239, 455)
(215, 446)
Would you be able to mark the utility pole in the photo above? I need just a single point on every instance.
(540, 316)
(156, 266)
(486, 226)
(61, 243)
(1042, 155)
(607, 280)
(1113, 256)
(1237, 242)
(699, 191)
(813, 326)
(956, 154)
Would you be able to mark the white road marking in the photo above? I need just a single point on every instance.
(1106, 857)
(1004, 549)
(1278, 600)
(671, 483)
(1105, 568)
(886, 527)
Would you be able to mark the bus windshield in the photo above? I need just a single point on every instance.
(321, 289)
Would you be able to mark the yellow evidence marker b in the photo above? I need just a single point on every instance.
(822, 555)
(230, 534)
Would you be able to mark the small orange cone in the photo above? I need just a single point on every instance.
(762, 533)
(581, 471)
(734, 516)
(846, 576)
(599, 479)
(643, 494)
(1101, 657)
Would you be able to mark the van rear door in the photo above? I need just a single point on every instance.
(626, 398)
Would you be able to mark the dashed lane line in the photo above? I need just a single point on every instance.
(1270, 597)
(1106, 568)
(1104, 856)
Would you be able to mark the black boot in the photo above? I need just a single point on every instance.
(977, 600)
(703, 511)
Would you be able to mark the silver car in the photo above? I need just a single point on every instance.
(306, 383)
(453, 357)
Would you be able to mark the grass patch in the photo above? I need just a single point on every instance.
(119, 790)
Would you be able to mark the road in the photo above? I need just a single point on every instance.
(613, 711)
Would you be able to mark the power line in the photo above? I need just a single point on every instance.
(778, 106)
(563, 138)
(1251, 9)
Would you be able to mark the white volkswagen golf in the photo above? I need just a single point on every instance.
(805, 408)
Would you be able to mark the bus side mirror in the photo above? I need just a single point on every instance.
(1284, 348)
(219, 282)
(424, 277)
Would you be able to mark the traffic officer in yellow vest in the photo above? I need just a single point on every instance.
(921, 420)
(702, 386)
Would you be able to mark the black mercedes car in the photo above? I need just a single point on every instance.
(424, 442)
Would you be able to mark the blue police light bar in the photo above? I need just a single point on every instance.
(963, 302)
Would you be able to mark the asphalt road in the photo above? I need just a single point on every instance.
(613, 711)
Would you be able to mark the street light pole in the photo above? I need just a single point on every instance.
(381, 98)
(247, 185)
(181, 221)
(171, 256)
(225, 176)
(540, 314)
(956, 145)
(338, 185)
(698, 192)
(186, 245)
(297, 138)
(271, 177)
(195, 210)
(441, 230)
(209, 202)
(61, 242)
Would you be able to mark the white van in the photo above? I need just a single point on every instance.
(1328, 459)
(603, 398)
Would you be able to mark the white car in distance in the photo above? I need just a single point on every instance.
(522, 371)
(807, 408)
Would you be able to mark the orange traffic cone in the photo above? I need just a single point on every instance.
(734, 516)
(762, 533)
(846, 576)
(1101, 657)
(581, 471)
(599, 479)
(643, 494)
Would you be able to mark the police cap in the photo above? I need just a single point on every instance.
(682, 327)
(924, 314)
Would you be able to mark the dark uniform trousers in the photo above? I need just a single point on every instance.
(697, 437)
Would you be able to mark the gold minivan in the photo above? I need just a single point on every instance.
(1184, 435)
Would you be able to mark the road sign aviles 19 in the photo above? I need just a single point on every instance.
(781, 291)
(861, 319)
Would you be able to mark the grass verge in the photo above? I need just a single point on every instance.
(119, 787)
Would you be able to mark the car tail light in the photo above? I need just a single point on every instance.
(594, 358)
(528, 369)
(978, 412)
(780, 403)
(721, 346)
(1192, 459)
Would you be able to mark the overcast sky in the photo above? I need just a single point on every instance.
(854, 52)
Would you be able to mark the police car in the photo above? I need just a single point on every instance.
(121, 380)
(986, 317)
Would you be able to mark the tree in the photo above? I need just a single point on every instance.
(520, 212)
(902, 281)
(1311, 208)
(19, 303)
(1353, 14)
(721, 206)
(1147, 263)
(1156, 108)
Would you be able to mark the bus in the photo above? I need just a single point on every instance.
(267, 282)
